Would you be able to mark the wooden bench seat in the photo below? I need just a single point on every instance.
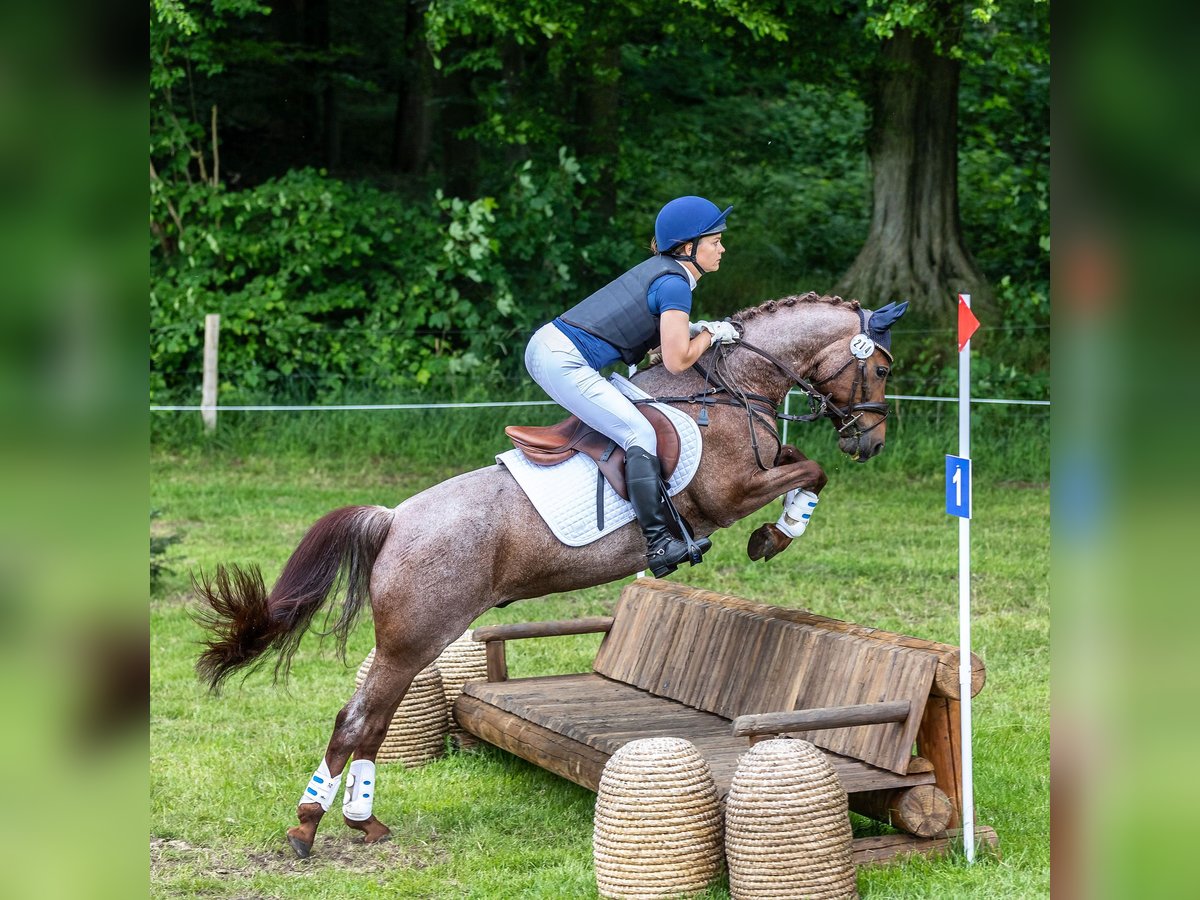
(722, 672)
(603, 715)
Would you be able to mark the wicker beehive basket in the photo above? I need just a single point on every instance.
(787, 826)
(658, 822)
(464, 660)
(417, 733)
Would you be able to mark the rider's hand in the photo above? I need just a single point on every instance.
(694, 328)
(723, 332)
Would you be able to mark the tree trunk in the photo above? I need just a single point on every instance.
(914, 249)
(413, 128)
(460, 152)
(599, 123)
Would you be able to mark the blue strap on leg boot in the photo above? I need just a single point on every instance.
(665, 548)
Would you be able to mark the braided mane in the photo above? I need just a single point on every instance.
(771, 306)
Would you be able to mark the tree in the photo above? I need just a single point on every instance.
(914, 248)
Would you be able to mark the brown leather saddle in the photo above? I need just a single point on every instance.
(549, 445)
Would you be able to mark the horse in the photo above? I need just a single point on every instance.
(481, 527)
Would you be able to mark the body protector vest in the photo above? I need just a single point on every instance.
(617, 313)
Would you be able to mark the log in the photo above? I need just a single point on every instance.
(558, 753)
(497, 664)
(592, 625)
(818, 719)
(923, 810)
(886, 848)
(939, 740)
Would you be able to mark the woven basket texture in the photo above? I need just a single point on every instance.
(787, 826)
(464, 660)
(417, 733)
(658, 822)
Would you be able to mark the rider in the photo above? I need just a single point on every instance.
(648, 306)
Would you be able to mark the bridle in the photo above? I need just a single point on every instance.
(718, 382)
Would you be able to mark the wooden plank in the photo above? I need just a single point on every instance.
(617, 654)
(497, 663)
(705, 656)
(677, 652)
(559, 628)
(660, 636)
(892, 673)
(946, 675)
(627, 713)
(939, 740)
(818, 719)
(917, 681)
(889, 848)
(615, 657)
(540, 746)
(884, 746)
(730, 700)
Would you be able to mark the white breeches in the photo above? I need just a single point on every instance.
(562, 372)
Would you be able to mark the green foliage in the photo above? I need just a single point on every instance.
(367, 284)
(159, 545)
(326, 286)
(323, 284)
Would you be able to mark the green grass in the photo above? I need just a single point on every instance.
(226, 772)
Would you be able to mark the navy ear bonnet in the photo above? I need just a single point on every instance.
(880, 322)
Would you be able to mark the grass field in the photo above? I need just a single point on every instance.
(226, 772)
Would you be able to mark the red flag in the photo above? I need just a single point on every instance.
(967, 323)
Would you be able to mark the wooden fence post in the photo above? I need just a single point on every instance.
(208, 395)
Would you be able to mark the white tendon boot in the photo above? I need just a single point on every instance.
(360, 791)
(798, 506)
(321, 787)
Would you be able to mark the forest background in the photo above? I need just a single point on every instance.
(383, 200)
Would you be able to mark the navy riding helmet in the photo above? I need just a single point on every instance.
(685, 219)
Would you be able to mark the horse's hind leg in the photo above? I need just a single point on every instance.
(388, 678)
(359, 729)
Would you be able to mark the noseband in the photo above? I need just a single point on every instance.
(821, 405)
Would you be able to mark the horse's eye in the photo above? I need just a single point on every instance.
(881, 371)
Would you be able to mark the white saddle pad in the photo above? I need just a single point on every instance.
(565, 494)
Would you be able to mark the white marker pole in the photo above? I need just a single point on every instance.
(964, 601)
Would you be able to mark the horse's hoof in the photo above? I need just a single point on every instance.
(301, 847)
(766, 542)
(373, 830)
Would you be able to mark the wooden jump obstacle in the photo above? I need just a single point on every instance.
(723, 672)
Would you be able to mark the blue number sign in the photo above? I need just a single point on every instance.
(958, 486)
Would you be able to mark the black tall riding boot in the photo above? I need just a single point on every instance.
(665, 549)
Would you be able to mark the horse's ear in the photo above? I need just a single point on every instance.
(881, 321)
(884, 317)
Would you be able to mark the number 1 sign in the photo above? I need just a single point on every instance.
(958, 486)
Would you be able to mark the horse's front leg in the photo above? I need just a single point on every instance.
(803, 481)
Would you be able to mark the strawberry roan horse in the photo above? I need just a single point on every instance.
(480, 527)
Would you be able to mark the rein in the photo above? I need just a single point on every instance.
(821, 405)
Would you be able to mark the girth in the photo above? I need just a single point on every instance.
(549, 445)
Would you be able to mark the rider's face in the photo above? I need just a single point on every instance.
(709, 251)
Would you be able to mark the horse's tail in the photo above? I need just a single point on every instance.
(246, 621)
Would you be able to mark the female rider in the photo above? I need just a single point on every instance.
(648, 306)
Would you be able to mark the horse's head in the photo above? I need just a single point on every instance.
(852, 374)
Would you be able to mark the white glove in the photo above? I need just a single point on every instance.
(723, 332)
(694, 328)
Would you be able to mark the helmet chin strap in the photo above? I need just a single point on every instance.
(692, 257)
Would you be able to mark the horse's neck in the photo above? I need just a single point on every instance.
(797, 336)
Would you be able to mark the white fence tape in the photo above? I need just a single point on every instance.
(503, 403)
